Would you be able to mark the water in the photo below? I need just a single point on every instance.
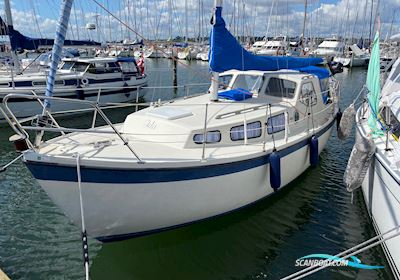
(312, 215)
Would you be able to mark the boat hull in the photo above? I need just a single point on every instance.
(152, 200)
(117, 93)
(381, 194)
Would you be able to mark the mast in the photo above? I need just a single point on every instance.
(186, 21)
(109, 23)
(14, 55)
(214, 75)
(170, 19)
(57, 49)
(370, 21)
(135, 19)
(304, 24)
(269, 20)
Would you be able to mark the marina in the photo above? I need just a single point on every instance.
(222, 156)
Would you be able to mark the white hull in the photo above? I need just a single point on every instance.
(153, 54)
(148, 207)
(352, 62)
(204, 56)
(382, 195)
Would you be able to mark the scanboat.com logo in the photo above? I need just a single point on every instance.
(329, 260)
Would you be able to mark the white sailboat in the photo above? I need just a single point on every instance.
(179, 162)
(376, 156)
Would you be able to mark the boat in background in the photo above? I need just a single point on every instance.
(355, 58)
(329, 48)
(374, 163)
(257, 46)
(276, 46)
(107, 80)
(153, 52)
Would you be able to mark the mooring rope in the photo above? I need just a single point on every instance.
(85, 246)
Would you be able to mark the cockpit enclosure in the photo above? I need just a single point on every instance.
(281, 104)
(287, 86)
(97, 66)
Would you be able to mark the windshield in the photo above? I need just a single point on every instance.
(248, 82)
(224, 81)
(280, 88)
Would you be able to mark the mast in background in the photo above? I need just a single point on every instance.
(17, 65)
(304, 24)
(215, 75)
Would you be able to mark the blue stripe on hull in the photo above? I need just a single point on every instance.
(55, 172)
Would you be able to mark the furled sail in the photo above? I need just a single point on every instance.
(226, 53)
(21, 42)
(374, 87)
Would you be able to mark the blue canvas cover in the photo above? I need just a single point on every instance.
(237, 94)
(227, 54)
(20, 42)
(321, 73)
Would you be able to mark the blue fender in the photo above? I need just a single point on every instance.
(275, 170)
(314, 157)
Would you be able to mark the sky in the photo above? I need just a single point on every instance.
(153, 19)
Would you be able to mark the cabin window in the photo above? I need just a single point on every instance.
(112, 67)
(253, 130)
(67, 65)
(224, 81)
(211, 137)
(308, 94)
(280, 88)
(276, 123)
(128, 67)
(248, 82)
(102, 67)
(325, 89)
(79, 66)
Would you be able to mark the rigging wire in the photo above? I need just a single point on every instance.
(146, 40)
(35, 18)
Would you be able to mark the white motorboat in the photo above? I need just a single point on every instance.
(277, 46)
(381, 184)
(356, 58)
(187, 160)
(257, 46)
(329, 48)
(116, 79)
